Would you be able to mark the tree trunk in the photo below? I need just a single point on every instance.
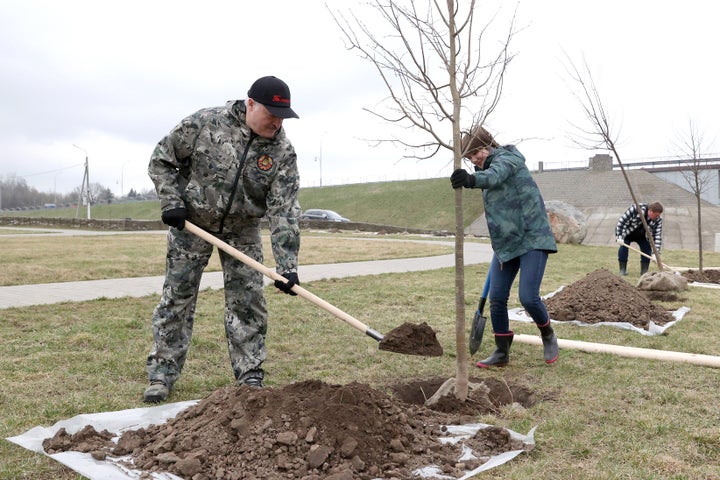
(461, 377)
(699, 226)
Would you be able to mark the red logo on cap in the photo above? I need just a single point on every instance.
(280, 99)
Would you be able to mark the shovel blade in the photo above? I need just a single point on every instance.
(476, 332)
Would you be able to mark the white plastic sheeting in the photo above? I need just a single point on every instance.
(121, 421)
(520, 315)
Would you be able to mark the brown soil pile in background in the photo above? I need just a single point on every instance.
(310, 431)
(707, 276)
(605, 297)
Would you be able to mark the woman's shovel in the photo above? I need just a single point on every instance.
(478, 323)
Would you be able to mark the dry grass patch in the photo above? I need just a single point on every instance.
(44, 259)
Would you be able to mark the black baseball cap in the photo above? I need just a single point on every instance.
(274, 94)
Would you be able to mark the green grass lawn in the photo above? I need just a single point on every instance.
(599, 416)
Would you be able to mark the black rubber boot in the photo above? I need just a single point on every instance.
(501, 355)
(551, 351)
(644, 267)
(623, 268)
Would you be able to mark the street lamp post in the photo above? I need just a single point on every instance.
(319, 160)
(86, 183)
(319, 157)
(122, 187)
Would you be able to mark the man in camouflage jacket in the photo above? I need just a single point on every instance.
(223, 169)
(630, 229)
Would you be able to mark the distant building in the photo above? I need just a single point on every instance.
(679, 172)
(679, 175)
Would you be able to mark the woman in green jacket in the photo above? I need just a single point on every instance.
(520, 234)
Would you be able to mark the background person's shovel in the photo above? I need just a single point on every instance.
(478, 324)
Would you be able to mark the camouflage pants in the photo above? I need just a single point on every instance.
(245, 309)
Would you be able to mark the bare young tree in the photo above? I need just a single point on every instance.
(691, 145)
(600, 133)
(441, 77)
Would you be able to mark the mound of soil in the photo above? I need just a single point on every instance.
(309, 431)
(602, 296)
(707, 276)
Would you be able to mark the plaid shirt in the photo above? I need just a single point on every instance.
(630, 221)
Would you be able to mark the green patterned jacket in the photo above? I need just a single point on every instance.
(514, 208)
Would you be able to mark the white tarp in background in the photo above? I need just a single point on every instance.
(703, 285)
(520, 315)
(133, 419)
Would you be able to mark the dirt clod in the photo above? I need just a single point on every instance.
(86, 440)
(309, 431)
(602, 296)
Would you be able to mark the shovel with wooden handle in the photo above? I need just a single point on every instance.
(478, 325)
(273, 275)
(647, 256)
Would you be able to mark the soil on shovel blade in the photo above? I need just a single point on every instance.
(602, 296)
(412, 339)
(310, 431)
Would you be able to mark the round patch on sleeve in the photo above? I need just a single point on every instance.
(265, 163)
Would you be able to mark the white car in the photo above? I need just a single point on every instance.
(327, 215)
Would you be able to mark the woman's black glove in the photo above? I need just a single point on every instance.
(292, 280)
(175, 217)
(461, 178)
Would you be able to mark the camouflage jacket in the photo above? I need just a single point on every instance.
(630, 221)
(228, 178)
(514, 209)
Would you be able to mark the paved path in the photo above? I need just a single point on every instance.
(49, 293)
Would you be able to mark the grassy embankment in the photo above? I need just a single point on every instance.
(425, 204)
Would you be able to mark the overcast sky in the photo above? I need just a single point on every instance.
(110, 79)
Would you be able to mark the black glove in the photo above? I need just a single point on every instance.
(461, 178)
(175, 217)
(292, 279)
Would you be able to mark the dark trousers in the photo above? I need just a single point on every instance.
(638, 236)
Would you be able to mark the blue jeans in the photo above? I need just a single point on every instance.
(531, 266)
